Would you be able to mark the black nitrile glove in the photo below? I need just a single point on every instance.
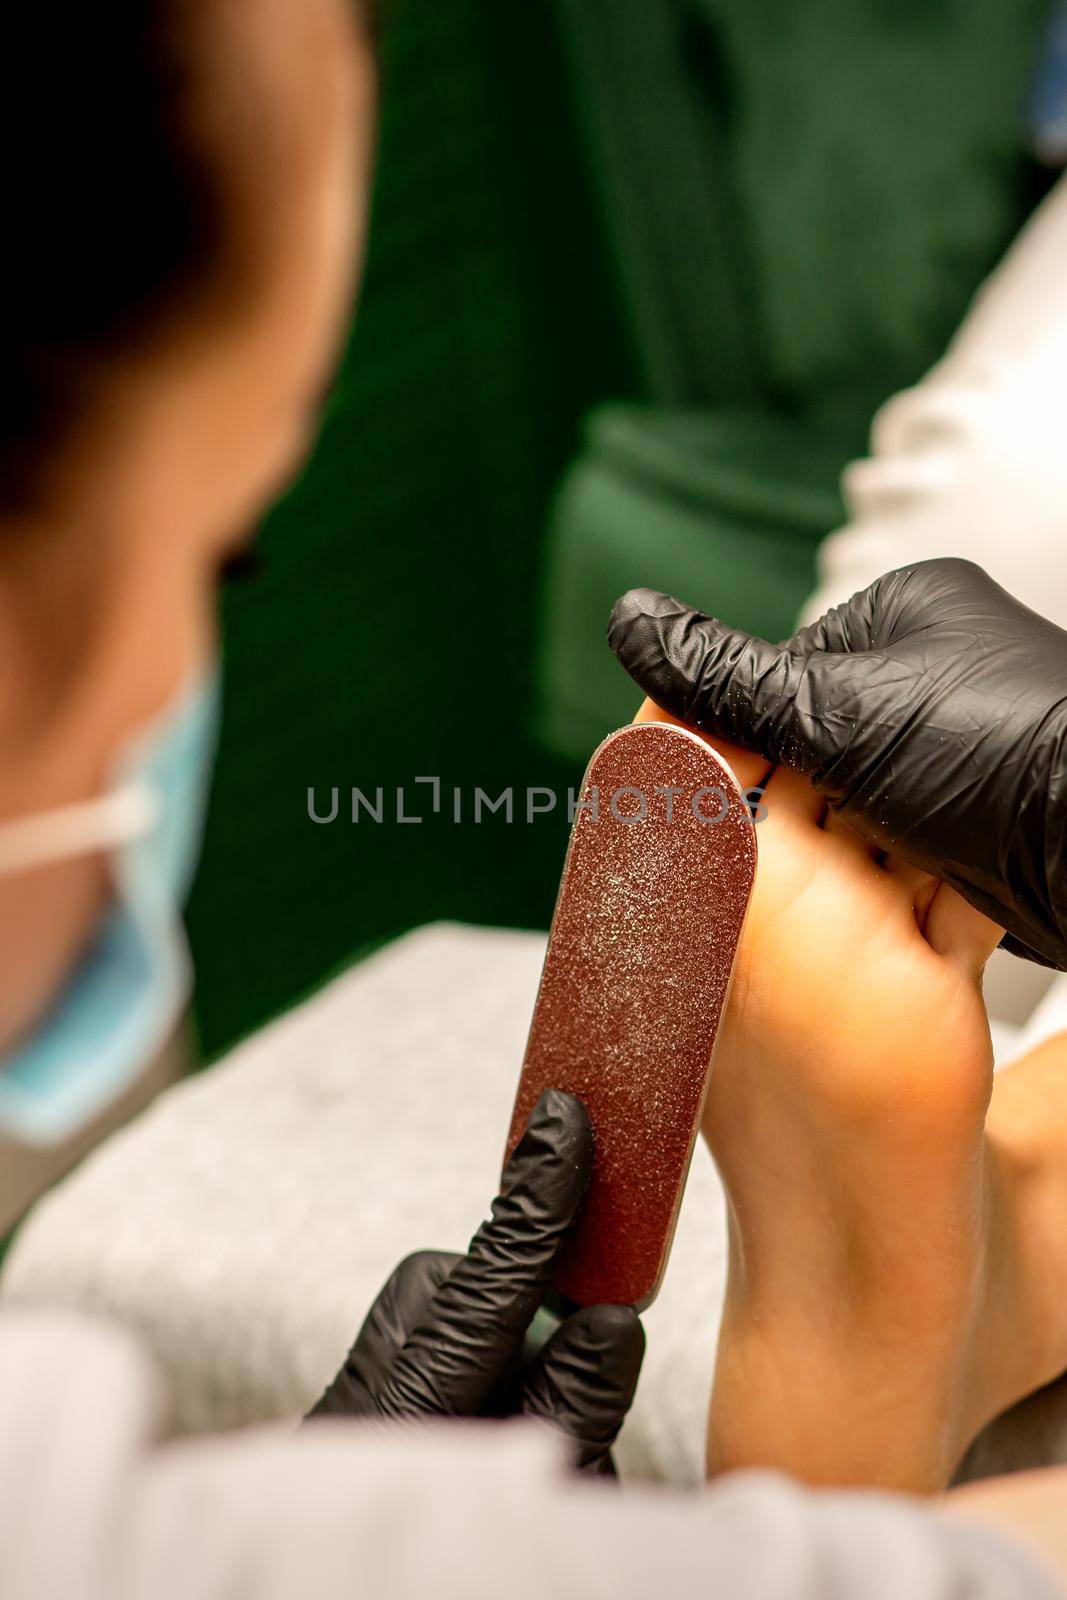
(445, 1336)
(931, 710)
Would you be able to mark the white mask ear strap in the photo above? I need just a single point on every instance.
(77, 830)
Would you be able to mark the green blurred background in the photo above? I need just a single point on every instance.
(640, 272)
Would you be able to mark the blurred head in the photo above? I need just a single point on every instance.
(185, 188)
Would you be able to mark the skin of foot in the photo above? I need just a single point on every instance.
(895, 1221)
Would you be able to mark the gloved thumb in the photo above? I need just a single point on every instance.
(584, 1379)
(477, 1319)
(715, 677)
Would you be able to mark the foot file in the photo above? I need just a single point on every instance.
(655, 887)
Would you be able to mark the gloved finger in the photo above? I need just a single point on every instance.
(1018, 947)
(477, 1319)
(850, 843)
(402, 1304)
(847, 629)
(928, 710)
(959, 932)
(801, 704)
(919, 886)
(585, 1378)
(713, 677)
(789, 798)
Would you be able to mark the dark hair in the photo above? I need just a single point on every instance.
(113, 213)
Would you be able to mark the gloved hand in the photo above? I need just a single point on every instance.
(445, 1336)
(930, 710)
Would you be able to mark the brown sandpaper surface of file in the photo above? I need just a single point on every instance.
(657, 880)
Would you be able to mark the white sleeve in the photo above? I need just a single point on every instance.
(93, 1508)
(971, 462)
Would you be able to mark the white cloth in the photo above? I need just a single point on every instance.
(971, 462)
(94, 1509)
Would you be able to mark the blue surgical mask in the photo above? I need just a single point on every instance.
(121, 1003)
(1048, 93)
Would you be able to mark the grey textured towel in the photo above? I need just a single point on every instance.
(243, 1224)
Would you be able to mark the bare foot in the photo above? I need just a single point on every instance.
(877, 1263)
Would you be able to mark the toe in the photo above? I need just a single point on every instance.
(955, 930)
(849, 842)
(791, 797)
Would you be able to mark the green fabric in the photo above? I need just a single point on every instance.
(878, 151)
(728, 507)
(803, 199)
(666, 190)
